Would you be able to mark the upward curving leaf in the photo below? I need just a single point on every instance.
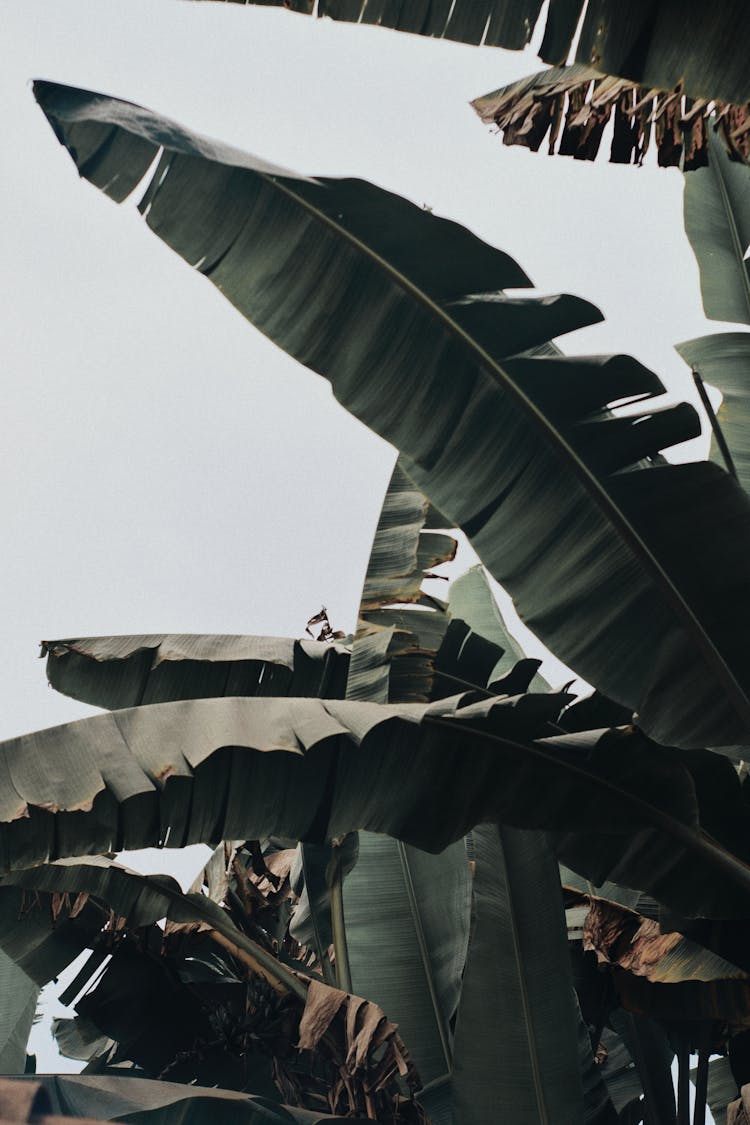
(717, 222)
(700, 50)
(635, 579)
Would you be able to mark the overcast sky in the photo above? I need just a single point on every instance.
(164, 467)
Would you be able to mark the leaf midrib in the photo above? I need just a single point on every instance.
(735, 692)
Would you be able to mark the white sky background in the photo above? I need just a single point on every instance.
(164, 467)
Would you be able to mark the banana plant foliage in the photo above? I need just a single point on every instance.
(99, 1098)
(635, 579)
(701, 50)
(717, 223)
(242, 768)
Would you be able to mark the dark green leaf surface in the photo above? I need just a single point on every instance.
(724, 362)
(636, 580)
(18, 998)
(697, 46)
(472, 601)
(115, 672)
(516, 1051)
(717, 222)
(213, 769)
(407, 916)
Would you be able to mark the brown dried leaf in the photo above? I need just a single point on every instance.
(574, 104)
(323, 1003)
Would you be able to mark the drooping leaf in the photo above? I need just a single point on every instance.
(573, 105)
(621, 937)
(659, 44)
(18, 999)
(212, 769)
(634, 579)
(116, 672)
(143, 1101)
(518, 989)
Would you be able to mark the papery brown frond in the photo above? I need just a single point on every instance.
(571, 106)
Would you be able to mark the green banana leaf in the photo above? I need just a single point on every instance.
(717, 223)
(115, 672)
(142, 1101)
(516, 1055)
(723, 361)
(407, 921)
(242, 768)
(634, 579)
(653, 44)
(17, 1010)
(471, 600)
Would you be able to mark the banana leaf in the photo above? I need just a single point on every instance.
(143, 1101)
(723, 361)
(717, 222)
(653, 44)
(17, 1010)
(516, 1054)
(129, 671)
(471, 600)
(634, 579)
(241, 768)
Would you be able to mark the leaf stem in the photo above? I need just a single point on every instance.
(340, 947)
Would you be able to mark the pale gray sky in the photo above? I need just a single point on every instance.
(164, 467)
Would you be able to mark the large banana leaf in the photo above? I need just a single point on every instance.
(239, 768)
(115, 672)
(700, 50)
(635, 579)
(518, 980)
(142, 1101)
(407, 919)
(17, 1010)
(717, 222)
